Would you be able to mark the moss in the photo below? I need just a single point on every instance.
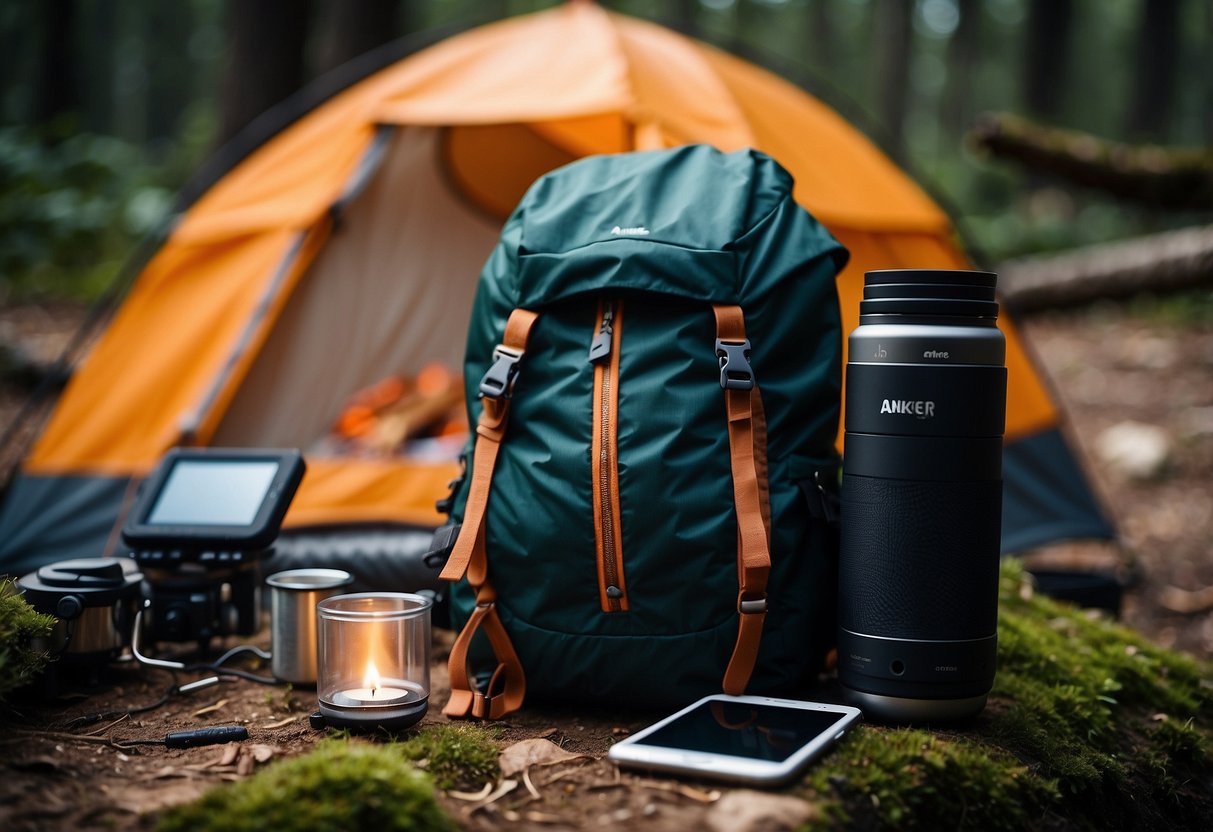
(913, 779)
(341, 785)
(1088, 726)
(460, 756)
(20, 663)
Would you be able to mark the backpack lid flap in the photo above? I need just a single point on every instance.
(634, 265)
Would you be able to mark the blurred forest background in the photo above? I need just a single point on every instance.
(108, 106)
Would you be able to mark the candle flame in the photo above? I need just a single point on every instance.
(371, 679)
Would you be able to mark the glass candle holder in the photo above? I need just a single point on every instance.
(374, 659)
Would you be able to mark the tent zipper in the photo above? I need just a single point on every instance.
(604, 355)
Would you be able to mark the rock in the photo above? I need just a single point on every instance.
(1134, 449)
(745, 810)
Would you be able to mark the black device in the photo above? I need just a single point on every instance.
(200, 528)
(922, 495)
(748, 739)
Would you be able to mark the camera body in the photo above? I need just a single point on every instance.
(202, 595)
(922, 496)
(204, 521)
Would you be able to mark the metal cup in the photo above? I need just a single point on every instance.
(294, 595)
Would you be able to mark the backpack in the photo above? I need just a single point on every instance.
(654, 372)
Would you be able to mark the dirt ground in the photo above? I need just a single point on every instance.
(1108, 365)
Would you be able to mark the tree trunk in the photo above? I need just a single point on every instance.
(1158, 263)
(963, 51)
(1158, 48)
(100, 20)
(824, 36)
(894, 34)
(265, 58)
(352, 27)
(682, 16)
(58, 88)
(166, 28)
(1049, 26)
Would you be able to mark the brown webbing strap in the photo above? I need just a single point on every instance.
(507, 687)
(753, 532)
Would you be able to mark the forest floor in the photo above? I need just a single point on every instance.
(1108, 364)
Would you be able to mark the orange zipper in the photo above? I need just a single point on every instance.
(604, 354)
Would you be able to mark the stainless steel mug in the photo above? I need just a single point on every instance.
(294, 595)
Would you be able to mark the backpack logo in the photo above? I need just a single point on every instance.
(636, 231)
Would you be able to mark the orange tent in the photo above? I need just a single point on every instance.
(347, 246)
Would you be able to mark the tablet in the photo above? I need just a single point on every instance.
(746, 739)
(215, 498)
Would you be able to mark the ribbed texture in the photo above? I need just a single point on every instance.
(919, 559)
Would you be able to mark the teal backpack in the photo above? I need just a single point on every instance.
(654, 370)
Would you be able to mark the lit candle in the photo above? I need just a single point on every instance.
(373, 692)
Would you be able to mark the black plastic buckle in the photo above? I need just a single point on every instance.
(498, 382)
(735, 370)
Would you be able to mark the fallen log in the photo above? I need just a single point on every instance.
(1172, 179)
(1159, 263)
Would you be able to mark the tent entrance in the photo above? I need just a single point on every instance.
(390, 293)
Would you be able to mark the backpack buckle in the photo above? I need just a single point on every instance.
(752, 606)
(498, 382)
(735, 370)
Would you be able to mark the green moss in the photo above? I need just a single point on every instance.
(913, 779)
(341, 785)
(1088, 726)
(1114, 719)
(20, 663)
(458, 756)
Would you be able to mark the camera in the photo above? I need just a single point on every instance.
(200, 529)
(922, 495)
(210, 594)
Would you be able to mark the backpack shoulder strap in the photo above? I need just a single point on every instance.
(507, 687)
(747, 450)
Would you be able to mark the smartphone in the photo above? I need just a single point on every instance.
(746, 739)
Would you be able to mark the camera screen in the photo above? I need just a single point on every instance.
(758, 732)
(212, 493)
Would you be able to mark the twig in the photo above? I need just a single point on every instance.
(210, 709)
(698, 795)
(530, 787)
(105, 728)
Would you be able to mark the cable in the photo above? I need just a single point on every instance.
(193, 739)
(172, 690)
(227, 671)
(212, 667)
(243, 648)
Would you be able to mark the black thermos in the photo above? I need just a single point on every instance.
(922, 495)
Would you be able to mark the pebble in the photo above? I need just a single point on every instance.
(745, 810)
(1137, 450)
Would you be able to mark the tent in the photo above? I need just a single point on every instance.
(347, 246)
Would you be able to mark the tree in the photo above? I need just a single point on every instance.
(352, 27)
(894, 34)
(58, 90)
(1048, 56)
(963, 53)
(1157, 59)
(265, 61)
(825, 36)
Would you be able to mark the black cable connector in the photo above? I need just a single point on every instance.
(195, 738)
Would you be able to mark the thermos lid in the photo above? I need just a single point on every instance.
(96, 581)
(953, 293)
